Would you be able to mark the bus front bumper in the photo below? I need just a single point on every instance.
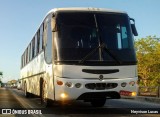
(75, 89)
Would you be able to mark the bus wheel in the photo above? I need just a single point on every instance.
(25, 91)
(98, 102)
(44, 100)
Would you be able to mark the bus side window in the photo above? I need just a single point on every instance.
(22, 61)
(26, 55)
(41, 38)
(33, 46)
(48, 42)
(24, 58)
(38, 39)
(30, 51)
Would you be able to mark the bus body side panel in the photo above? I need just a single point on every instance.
(49, 81)
(32, 73)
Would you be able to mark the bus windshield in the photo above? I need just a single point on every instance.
(79, 33)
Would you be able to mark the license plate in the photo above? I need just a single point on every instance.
(125, 93)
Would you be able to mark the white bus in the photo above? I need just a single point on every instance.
(81, 54)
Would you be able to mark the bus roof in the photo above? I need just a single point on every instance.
(85, 9)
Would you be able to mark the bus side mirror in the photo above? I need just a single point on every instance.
(134, 30)
(133, 27)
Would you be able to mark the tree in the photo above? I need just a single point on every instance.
(148, 55)
(1, 75)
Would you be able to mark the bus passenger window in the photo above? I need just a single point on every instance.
(48, 48)
(30, 51)
(33, 46)
(35, 49)
(38, 39)
(28, 54)
(41, 38)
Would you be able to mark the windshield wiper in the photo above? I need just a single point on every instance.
(111, 54)
(102, 46)
(90, 53)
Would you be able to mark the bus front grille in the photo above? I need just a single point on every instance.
(101, 86)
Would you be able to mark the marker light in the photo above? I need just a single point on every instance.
(123, 84)
(59, 82)
(68, 84)
(63, 95)
(78, 85)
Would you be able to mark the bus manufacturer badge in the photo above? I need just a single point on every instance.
(100, 77)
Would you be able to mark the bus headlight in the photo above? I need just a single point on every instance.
(68, 84)
(78, 85)
(63, 95)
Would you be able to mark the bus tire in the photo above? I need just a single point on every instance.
(25, 91)
(98, 102)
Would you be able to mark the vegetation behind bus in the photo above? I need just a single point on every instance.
(148, 55)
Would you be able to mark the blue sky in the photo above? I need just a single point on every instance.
(19, 20)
